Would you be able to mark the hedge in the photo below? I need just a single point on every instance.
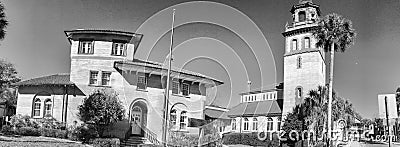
(250, 139)
(106, 142)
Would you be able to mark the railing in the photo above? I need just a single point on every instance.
(151, 136)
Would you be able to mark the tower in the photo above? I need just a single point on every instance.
(304, 63)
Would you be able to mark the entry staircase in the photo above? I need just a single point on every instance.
(149, 139)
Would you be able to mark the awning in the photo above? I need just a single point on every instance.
(260, 108)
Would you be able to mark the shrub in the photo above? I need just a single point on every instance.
(27, 131)
(56, 133)
(106, 142)
(102, 109)
(50, 122)
(85, 133)
(23, 121)
(7, 130)
(249, 139)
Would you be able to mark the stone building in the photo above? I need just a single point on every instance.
(104, 59)
(304, 64)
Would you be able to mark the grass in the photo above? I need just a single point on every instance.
(32, 141)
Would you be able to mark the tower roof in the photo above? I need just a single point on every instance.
(304, 4)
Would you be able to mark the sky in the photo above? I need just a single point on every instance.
(235, 41)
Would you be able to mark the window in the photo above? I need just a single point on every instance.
(175, 87)
(307, 42)
(270, 124)
(302, 16)
(294, 44)
(255, 124)
(105, 78)
(298, 62)
(173, 117)
(119, 49)
(36, 107)
(299, 92)
(93, 77)
(185, 89)
(234, 124)
(183, 121)
(85, 47)
(47, 108)
(246, 124)
(263, 96)
(142, 82)
(279, 124)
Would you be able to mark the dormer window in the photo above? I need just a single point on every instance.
(119, 49)
(86, 47)
(302, 16)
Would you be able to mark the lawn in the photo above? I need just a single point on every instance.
(31, 141)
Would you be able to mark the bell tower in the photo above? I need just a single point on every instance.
(304, 63)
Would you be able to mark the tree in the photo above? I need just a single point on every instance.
(3, 22)
(101, 109)
(312, 113)
(334, 33)
(8, 75)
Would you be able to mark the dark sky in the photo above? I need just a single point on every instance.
(233, 40)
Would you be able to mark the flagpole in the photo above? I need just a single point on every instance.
(166, 93)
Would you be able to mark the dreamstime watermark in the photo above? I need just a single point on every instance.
(310, 135)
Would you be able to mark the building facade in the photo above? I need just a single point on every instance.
(304, 63)
(257, 111)
(104, 59)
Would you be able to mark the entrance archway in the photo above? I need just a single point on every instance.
(138, 117)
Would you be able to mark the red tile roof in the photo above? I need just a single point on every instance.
(56, 79)
(258, 108)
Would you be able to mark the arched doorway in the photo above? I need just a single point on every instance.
(138, 117)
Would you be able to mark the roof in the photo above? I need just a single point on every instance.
(305, 4)
(68, 32)
(216, 114)
(56, 79)
(258, 108)
(161, 66)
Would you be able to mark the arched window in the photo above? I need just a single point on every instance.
(183, 121)
(172, 117)
(294, 44)
(302, 16)
(270, 124)
(48, 108)
(246, 124)
(255, 124)
(233, 124)
(36, 107)
(299, 92)
(307, 42)
(279, 124)
(299, 62)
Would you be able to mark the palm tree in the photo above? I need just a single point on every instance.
(3, 22)
(334, 33)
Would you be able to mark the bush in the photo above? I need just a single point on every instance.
(85, 133)
(249, 139)
(56, 133)
(27, 131)
(7, 130)
(106, 142)
(23, 121)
